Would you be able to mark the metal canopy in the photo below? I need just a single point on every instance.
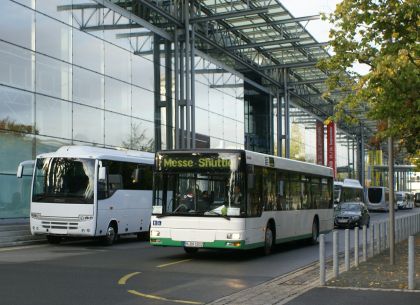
(255, 37)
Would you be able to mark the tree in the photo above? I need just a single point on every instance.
(384, 35)
(138, 139)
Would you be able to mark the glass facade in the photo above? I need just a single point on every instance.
(62, 84)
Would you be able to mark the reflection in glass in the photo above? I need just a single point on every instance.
(202, 121)
(88, 124)
(216, 125)
(16, 110)
(14, 149)
(15, 196)
(53, 77)
(117, 63)
(216, 101)
(51, 8)
(117, 129)
(88, 51)
(229, 128)
(16, 24)
(88, 87)
(17, 67)
(143, 72)
(53, 38)
(142, 135)
(117, 96)
(143, 103)
(53, 117)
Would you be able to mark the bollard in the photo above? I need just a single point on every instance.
(411, 269)
(379, 237)
(356, 246)
(371, 245)
(322, 259)
(335, 254)
(347, 249)
(364, 246)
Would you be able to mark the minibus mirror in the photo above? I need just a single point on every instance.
(136, 175)
(19, 171)
(102, 174)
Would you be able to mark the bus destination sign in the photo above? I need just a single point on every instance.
(200, 162)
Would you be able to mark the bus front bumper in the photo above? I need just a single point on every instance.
(217, 244)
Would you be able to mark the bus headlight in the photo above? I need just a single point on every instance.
(233, 236)
(36, 215)
(85, 217)
(154, 233)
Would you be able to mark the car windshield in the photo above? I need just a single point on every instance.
(350, 207)
(64, 180)
(399, 196)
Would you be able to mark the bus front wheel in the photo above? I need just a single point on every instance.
(110, 236)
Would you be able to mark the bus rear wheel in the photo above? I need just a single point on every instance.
(268, 241)
(315, 233)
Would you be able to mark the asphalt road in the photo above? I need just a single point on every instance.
(132, 272)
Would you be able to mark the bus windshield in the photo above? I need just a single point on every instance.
(64, 180)
(205, 187)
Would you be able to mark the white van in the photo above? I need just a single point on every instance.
(405, 200)
(378, 199)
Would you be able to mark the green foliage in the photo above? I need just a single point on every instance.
(382, 34)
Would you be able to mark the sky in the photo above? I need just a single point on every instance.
(318, 28)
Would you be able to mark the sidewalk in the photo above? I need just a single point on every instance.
(372, 282)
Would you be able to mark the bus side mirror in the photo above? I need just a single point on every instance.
(19, 171)
(136, 175)
(102, 174)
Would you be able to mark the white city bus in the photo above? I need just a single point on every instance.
(86, 191)
(196, 200)
(349, 190)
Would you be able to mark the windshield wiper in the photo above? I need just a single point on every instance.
(214, 213)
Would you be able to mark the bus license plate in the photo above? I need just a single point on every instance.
(193, 244)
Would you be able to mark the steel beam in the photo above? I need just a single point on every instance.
(278, 22)
(263, 44)
(127, 14)
(228, 15)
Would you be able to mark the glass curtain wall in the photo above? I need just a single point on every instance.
(65, 80)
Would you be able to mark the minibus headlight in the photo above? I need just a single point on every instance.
(36, 215)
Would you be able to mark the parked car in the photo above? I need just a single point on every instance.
(417, 199)
(351, 214)
(405, 200)
(378, 199)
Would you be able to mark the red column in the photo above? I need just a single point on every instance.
(320, 143)
(331, 148)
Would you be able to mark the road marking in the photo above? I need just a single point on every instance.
(20, 248)
(170, 264)
(154, 297)
(126, 277)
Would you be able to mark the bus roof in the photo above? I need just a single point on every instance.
(91, 152)
(349, 183)
(261, 159)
